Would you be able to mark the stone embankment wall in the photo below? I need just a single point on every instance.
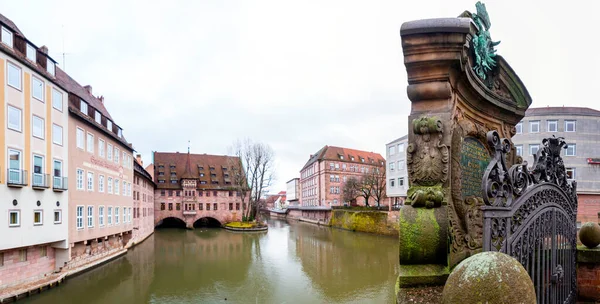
(379, 222)
(588, 274)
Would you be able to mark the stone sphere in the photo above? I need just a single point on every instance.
(589, 234)
(489, 277)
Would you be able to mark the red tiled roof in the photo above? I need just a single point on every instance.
(334, 153)
(222, 165)
(562, 111)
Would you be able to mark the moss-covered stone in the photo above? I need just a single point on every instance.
(489, 277)
(423, 235)
(589, 234)
(363, 221)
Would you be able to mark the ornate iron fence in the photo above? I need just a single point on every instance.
(530, 214)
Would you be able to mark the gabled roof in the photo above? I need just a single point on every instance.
(10, 24)
(198, 163)
(578, 111)
(75, 88)
(336, 153)
(187, 172)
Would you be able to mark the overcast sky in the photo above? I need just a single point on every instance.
(297, 75)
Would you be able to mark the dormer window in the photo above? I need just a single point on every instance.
(109, 125)
(352, 158)
(83, 107)
(51, 67)
(98, 117)
(341, 157)
(7, 37)
(200, 168)
(120, 132)
(362, 159)
(31, 52)
(212, 168)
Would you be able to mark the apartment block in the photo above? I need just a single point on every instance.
(396, 173)
(34, 163)
(143, 201)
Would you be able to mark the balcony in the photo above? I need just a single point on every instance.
(59, 183)
(189, 212)
(40, 181)
(16, 178)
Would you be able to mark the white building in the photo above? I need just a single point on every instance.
(397, 176)
(293, 187)
(33, 161)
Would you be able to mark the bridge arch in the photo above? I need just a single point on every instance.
(207, 221)
(170, 222)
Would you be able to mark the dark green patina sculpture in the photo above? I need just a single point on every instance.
(483, 46)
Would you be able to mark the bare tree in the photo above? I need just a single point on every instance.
(351, 190)
(366, 187)
(378, 183)
(257, 162)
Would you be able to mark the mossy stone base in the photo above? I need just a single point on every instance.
(423, 235)
(363, 221)
(422, 275)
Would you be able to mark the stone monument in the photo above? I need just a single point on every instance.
(459, 90)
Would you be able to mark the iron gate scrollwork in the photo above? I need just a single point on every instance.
(530, 214)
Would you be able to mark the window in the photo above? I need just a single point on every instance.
(519, 149)
(57, 134)
(98, 117)
(38, 127)
(58, 182)
(124, 159)
(109, 183)
(83, 107)
(57, 216)
(119, 132)
(571, 150)
(400, 165)
(392, 150)
(116, 186)
(392, 182)
(124, 188)
(215, 206)
(533, 149)
(50, 67)
(90, 181)
(552, 126)
(100, 147)
(37, 218)
(23, 255)
(80, 138)
(116, 155)
(401, 182)
(79, 215)
(14, 118)
(109, 151)
(129, 190)
(109, 125)
(101, 216)
(519, 128)
(207, 206)
(37, 88)
(116, 215)
(570, 126)
(570, 173)
(109, 216)
(14, 76)
(100, 183)
(15, 175)
(14, 218)
(534, 126)
(401, 148)
(38, 171)
(79, 179)
(7, 37)
(392, 165)
(31, 52)
(90, 142)
(90, 216)
(57, 101)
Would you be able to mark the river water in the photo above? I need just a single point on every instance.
(293, 262)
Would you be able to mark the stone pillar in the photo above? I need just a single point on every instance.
(454, 103)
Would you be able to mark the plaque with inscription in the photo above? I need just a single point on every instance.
(474, 159)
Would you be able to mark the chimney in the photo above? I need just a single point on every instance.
(44, 49)
(88, 88)
(101, 98)
(138, 157)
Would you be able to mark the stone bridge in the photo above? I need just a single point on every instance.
(193, 218)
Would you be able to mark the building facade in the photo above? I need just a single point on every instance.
(293, 191)
(396, 173)
(195, 188)
(581, 129)
(34, 161)
(143, 201)
(323, 176)
(101, 166)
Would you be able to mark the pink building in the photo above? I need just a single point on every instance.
(143, 201)
(101, 177)
(322, 178)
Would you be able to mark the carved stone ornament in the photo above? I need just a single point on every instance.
(427, 163)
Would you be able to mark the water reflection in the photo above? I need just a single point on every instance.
(292, 263)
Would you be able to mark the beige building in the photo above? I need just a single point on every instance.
(143, 201)
(33, 161)
(101, 170)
